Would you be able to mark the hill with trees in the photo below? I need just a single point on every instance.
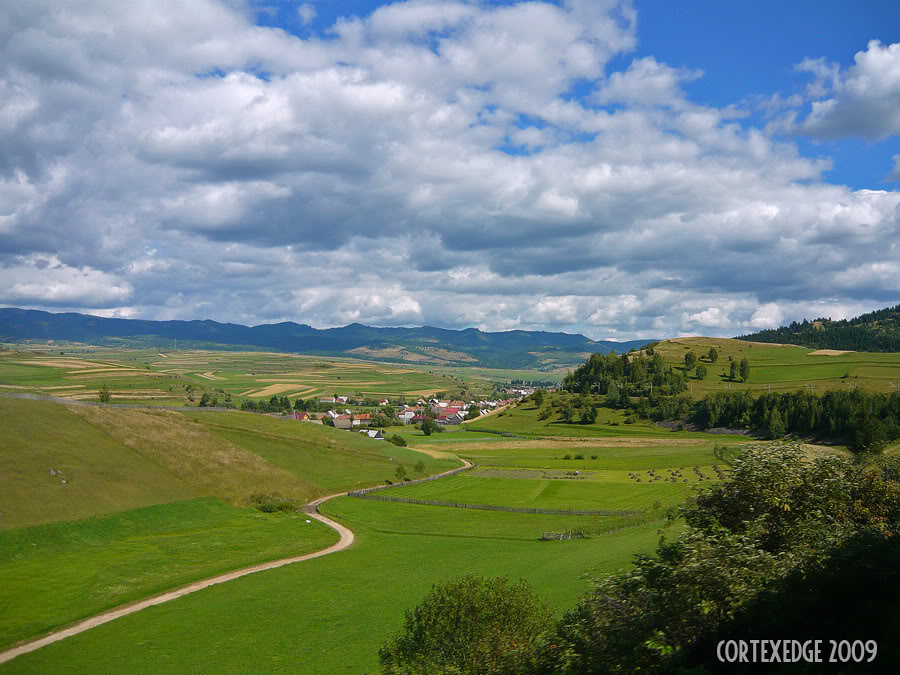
(539, 350)
(877, 331)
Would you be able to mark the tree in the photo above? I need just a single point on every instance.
(612, 396)
(745, 369)
(733, 369)
(398, 440)
(473, 414)
(419, 468)
(701, 371)
(568, 414)
(713, 355)
(430, 426)
(104, 395)
(538, 398)
(400, 473)
(588, 415)
(777, 426)
(204, 400)
(690, 360)
(470, 626)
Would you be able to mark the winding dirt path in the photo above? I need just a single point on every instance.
(311, 509)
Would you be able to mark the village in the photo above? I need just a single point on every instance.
(444, 412)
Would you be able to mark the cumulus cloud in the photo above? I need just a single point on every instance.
(863, 101)
(427, 163)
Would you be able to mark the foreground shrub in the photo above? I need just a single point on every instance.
(398, 440)
(271, 503)
(470, 626)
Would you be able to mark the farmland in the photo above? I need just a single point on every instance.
(332, 612)
(155, 498)
(157, 378)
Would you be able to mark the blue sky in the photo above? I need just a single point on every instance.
(621, 169)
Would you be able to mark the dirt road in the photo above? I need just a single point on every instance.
(311, 509)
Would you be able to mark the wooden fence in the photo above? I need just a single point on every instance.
(361, 493)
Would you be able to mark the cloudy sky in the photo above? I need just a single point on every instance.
(618, 169)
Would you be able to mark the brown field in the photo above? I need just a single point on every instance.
(62, 363)
(830, 352)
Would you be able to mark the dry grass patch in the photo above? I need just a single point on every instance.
(208, 463)
(830, 352)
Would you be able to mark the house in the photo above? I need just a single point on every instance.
(383, 401)
(327, 399)
(342, 421)
(373, 433)
(296, 415)
(407, 416)
(361, 419)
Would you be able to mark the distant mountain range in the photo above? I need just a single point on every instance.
(426, 345)
(877, 331)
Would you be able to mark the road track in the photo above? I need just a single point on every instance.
(311, 509)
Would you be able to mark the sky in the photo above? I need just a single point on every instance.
(623, 169)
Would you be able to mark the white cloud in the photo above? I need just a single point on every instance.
(863, 101)
(192, 164)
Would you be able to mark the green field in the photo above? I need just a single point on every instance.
(160, 498)
(785, 368)
(607, 490)
(329, 615)
(71, 549)
(55, 574)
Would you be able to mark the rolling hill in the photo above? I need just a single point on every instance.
(426, 345)
(877, 331)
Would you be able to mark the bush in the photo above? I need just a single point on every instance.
(397, 440)
(271, 503)
(579, 456)
(593, 456)
(470, 626)
(567, 456)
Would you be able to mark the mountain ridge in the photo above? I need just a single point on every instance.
(542, 350)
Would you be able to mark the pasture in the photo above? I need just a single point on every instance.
(330, 614)
(55, 574)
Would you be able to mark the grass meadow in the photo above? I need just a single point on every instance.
(55, 574)
(329, 615)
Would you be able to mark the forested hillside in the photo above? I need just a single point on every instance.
(877, 331)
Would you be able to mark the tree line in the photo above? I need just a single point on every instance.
(866, 420)
(877, 331)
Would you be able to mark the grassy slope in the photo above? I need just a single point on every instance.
(52, 575)
(114, 459)
(102, 474)
(334, 460)
(784, 367)
(330, 614)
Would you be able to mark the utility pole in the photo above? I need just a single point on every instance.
(811, 387)
(896, 385)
